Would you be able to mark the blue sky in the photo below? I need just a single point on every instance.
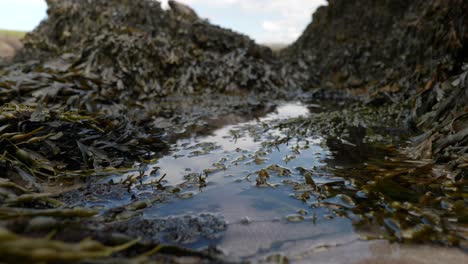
(21, 14)
(273, 21)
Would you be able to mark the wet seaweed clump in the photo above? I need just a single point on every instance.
(43, 149)
(16, 248)
(446, 124)
(51, 142)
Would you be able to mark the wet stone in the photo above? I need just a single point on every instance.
(42, 223)
(185, 229)
(138, 205)
(295, 218)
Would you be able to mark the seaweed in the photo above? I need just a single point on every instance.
(103, 87)
(17, 248)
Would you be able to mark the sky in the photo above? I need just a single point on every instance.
(266, 21)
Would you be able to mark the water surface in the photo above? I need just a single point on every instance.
(280, 192)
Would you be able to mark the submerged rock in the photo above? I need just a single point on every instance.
(184, 229)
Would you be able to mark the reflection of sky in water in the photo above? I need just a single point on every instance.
(257, 216)
(285, 111)
(233, 193)
(231, 148)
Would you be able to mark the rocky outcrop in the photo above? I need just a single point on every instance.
(384, 44)
(146, 52)
(396, 51)
(183, 10)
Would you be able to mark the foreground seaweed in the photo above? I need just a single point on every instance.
(16, 248)
(47, 143)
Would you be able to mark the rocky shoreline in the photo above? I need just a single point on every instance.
(103, 87)
(397, 52)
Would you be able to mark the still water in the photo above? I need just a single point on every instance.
(255, 177)
(259, 218)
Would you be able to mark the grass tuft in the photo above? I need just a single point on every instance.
(12, 33)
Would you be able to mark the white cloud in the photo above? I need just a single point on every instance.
(286, 18)
(271, 26)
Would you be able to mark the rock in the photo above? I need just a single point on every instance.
(42, 223)
(386, 36)
(138, 205)
(183, 10)
(174, 229)
(145, 52)
(295, 218)
(401, 55)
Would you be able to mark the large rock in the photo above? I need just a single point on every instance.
(396, 51)
(146, 52)
(383, 42)
(183, 10)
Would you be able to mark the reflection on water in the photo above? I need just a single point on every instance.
(230, 145)
(260, 219)
(278, 194)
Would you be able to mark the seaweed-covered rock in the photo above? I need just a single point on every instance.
(446, 124)
(183, 10)
(107, 64)
(396, 52)
(389, 45)
(142, 49)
